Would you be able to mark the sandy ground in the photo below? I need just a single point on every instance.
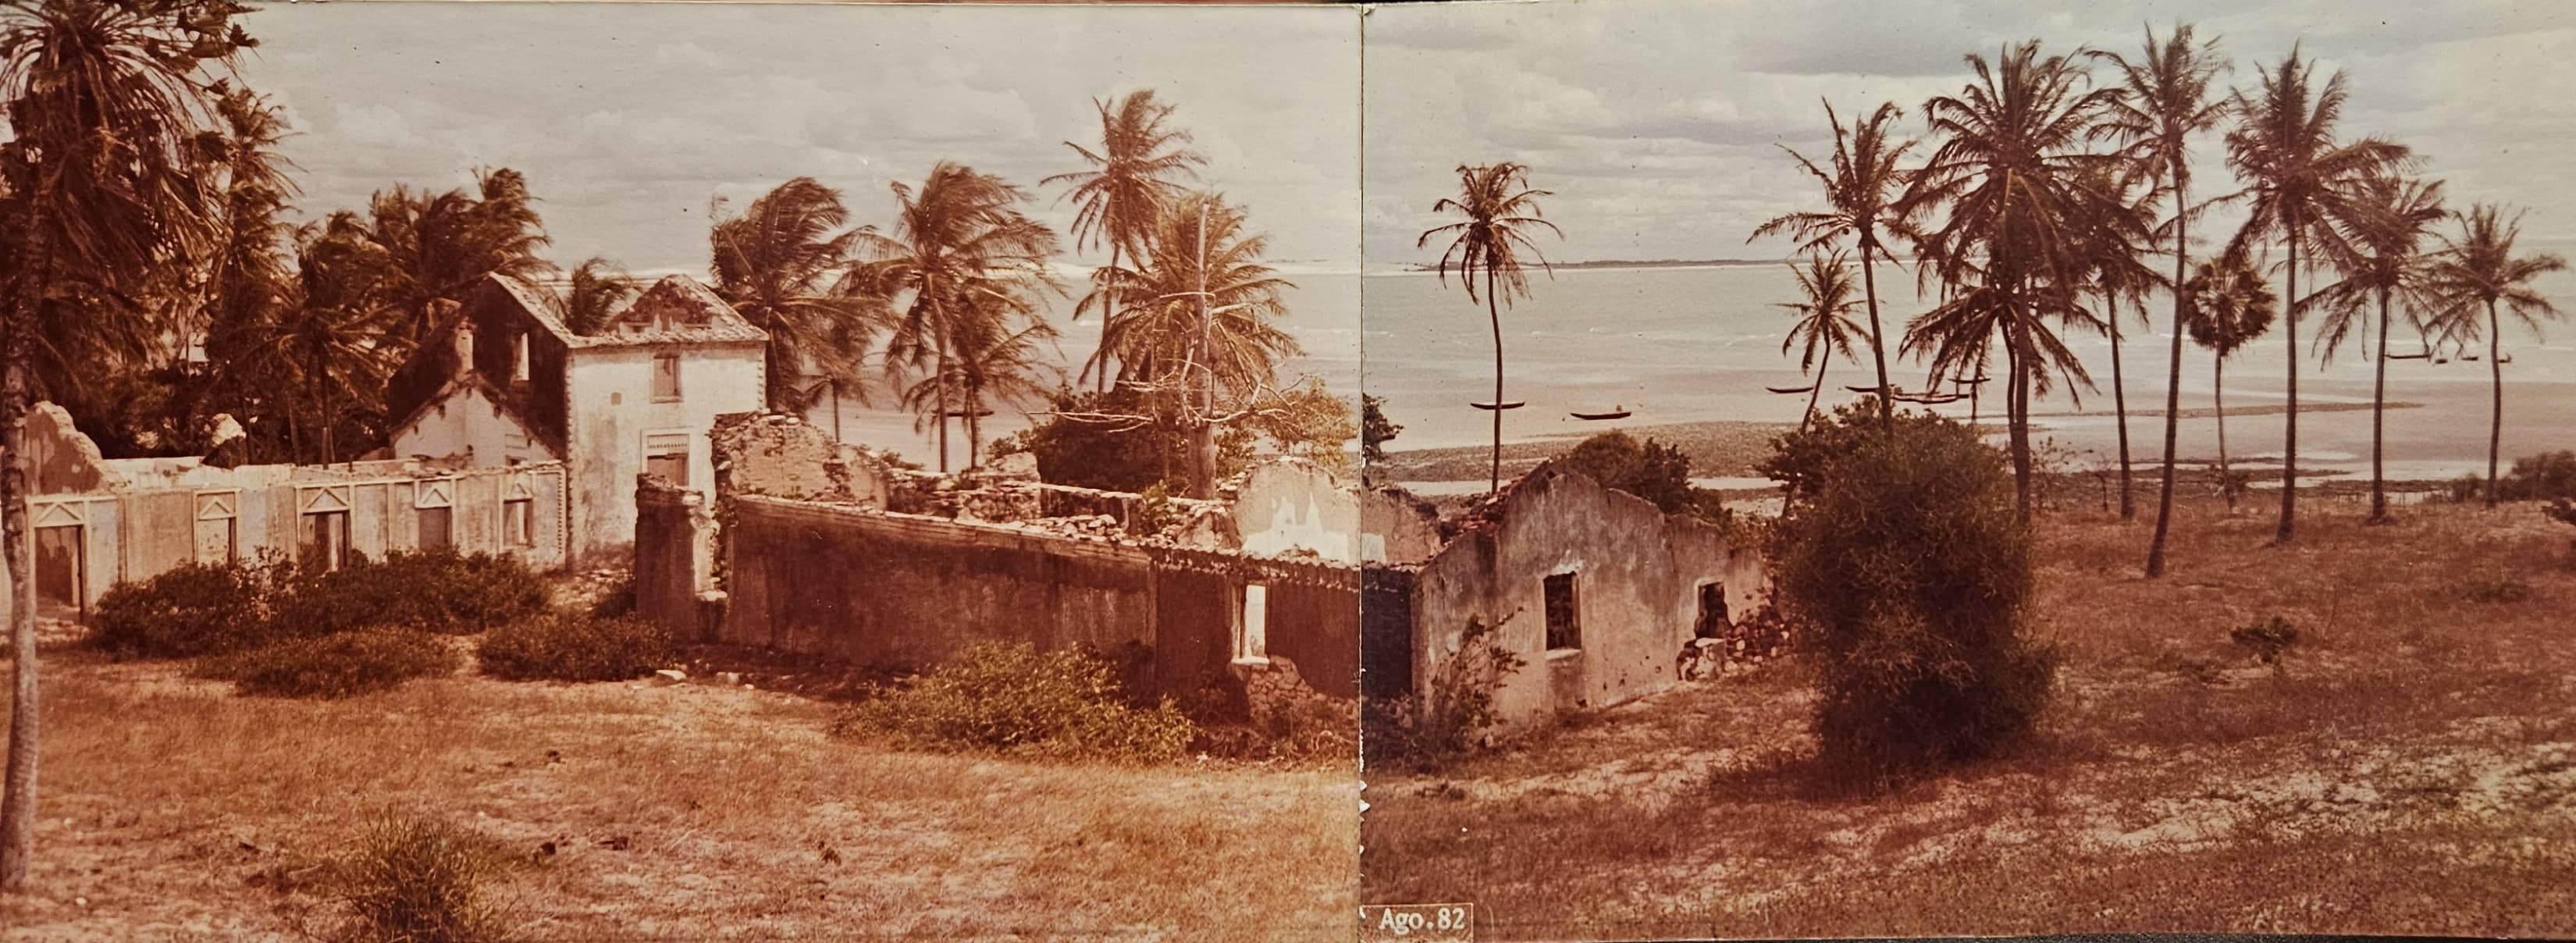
(2412, 769)
(173, 809)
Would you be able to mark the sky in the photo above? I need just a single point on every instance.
(1658, 124)
(629, 118)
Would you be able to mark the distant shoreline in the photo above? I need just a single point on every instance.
(1731, 448)
(1654, 263)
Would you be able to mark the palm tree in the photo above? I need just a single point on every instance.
(1123, 195)
(2297, 180)
(2478, 273)
(784, 265)
(337, 327)
(2121, 278)
(104, 104)
(1501, 211)
(964, 251)
(991, 364)
(1824, 320)
(2231, 305)
(2011, 248)
(248, 278)
(2164, 100)
(2378, 250)
(1202, 316)
(441, 244)
(1862, 193)
(597, 287)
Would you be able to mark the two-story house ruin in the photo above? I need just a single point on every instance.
(506, 382)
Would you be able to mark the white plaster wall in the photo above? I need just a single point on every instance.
(467, 423)
(1289, 505)
(613, 410)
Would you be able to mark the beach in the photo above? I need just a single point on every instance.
(1690, 353)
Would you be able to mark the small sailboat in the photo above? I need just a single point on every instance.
(1618, 411)
(1514, 404)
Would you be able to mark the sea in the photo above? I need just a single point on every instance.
(1694, 343)
(1687, 344)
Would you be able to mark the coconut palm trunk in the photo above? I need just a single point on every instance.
(2020, 402)
(2495, 427)
(1877, 346)
(2218, 398)
(1203, 431)
(2173, 381)
(1108, 319)
(939, 371)
(2289, 527)
(18, 805)
(2378, 409)
(18, 790)
(1496, 484)
(1821, 367)
(2120, 408)
(974, 426)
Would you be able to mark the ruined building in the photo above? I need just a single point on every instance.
(814, 546)
(98, 521)
(505, 383)
(1596, 590)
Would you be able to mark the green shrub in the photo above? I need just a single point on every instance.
(2543, 477)
(2268, 639)
(1154, 511)
(2492, 589)
(196, 609)
(434, 591)
(566, 645)
(1433, 731)
(1272, 714)
(342, 664)
(1653, 470)
(1013, 699)
(1912, 576)
(2467, 488)
(420, 880)
(619, 600)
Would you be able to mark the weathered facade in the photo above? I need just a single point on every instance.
(1596, 590)
(851, 560)
(98, 522)
(509, 383)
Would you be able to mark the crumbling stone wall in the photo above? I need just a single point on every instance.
(784, 456)
(1396, 527)
(60, 458)
(902, 590)
(675, 560)
(1636, 573)
(1291, 505)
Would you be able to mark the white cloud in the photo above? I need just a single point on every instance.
(1659, 122)
(628, 118)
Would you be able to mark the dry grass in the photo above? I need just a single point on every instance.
(173, 809)
(2411, 768)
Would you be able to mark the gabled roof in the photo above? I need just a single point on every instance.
(463, 380)
(677, 310)
(673, 310)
